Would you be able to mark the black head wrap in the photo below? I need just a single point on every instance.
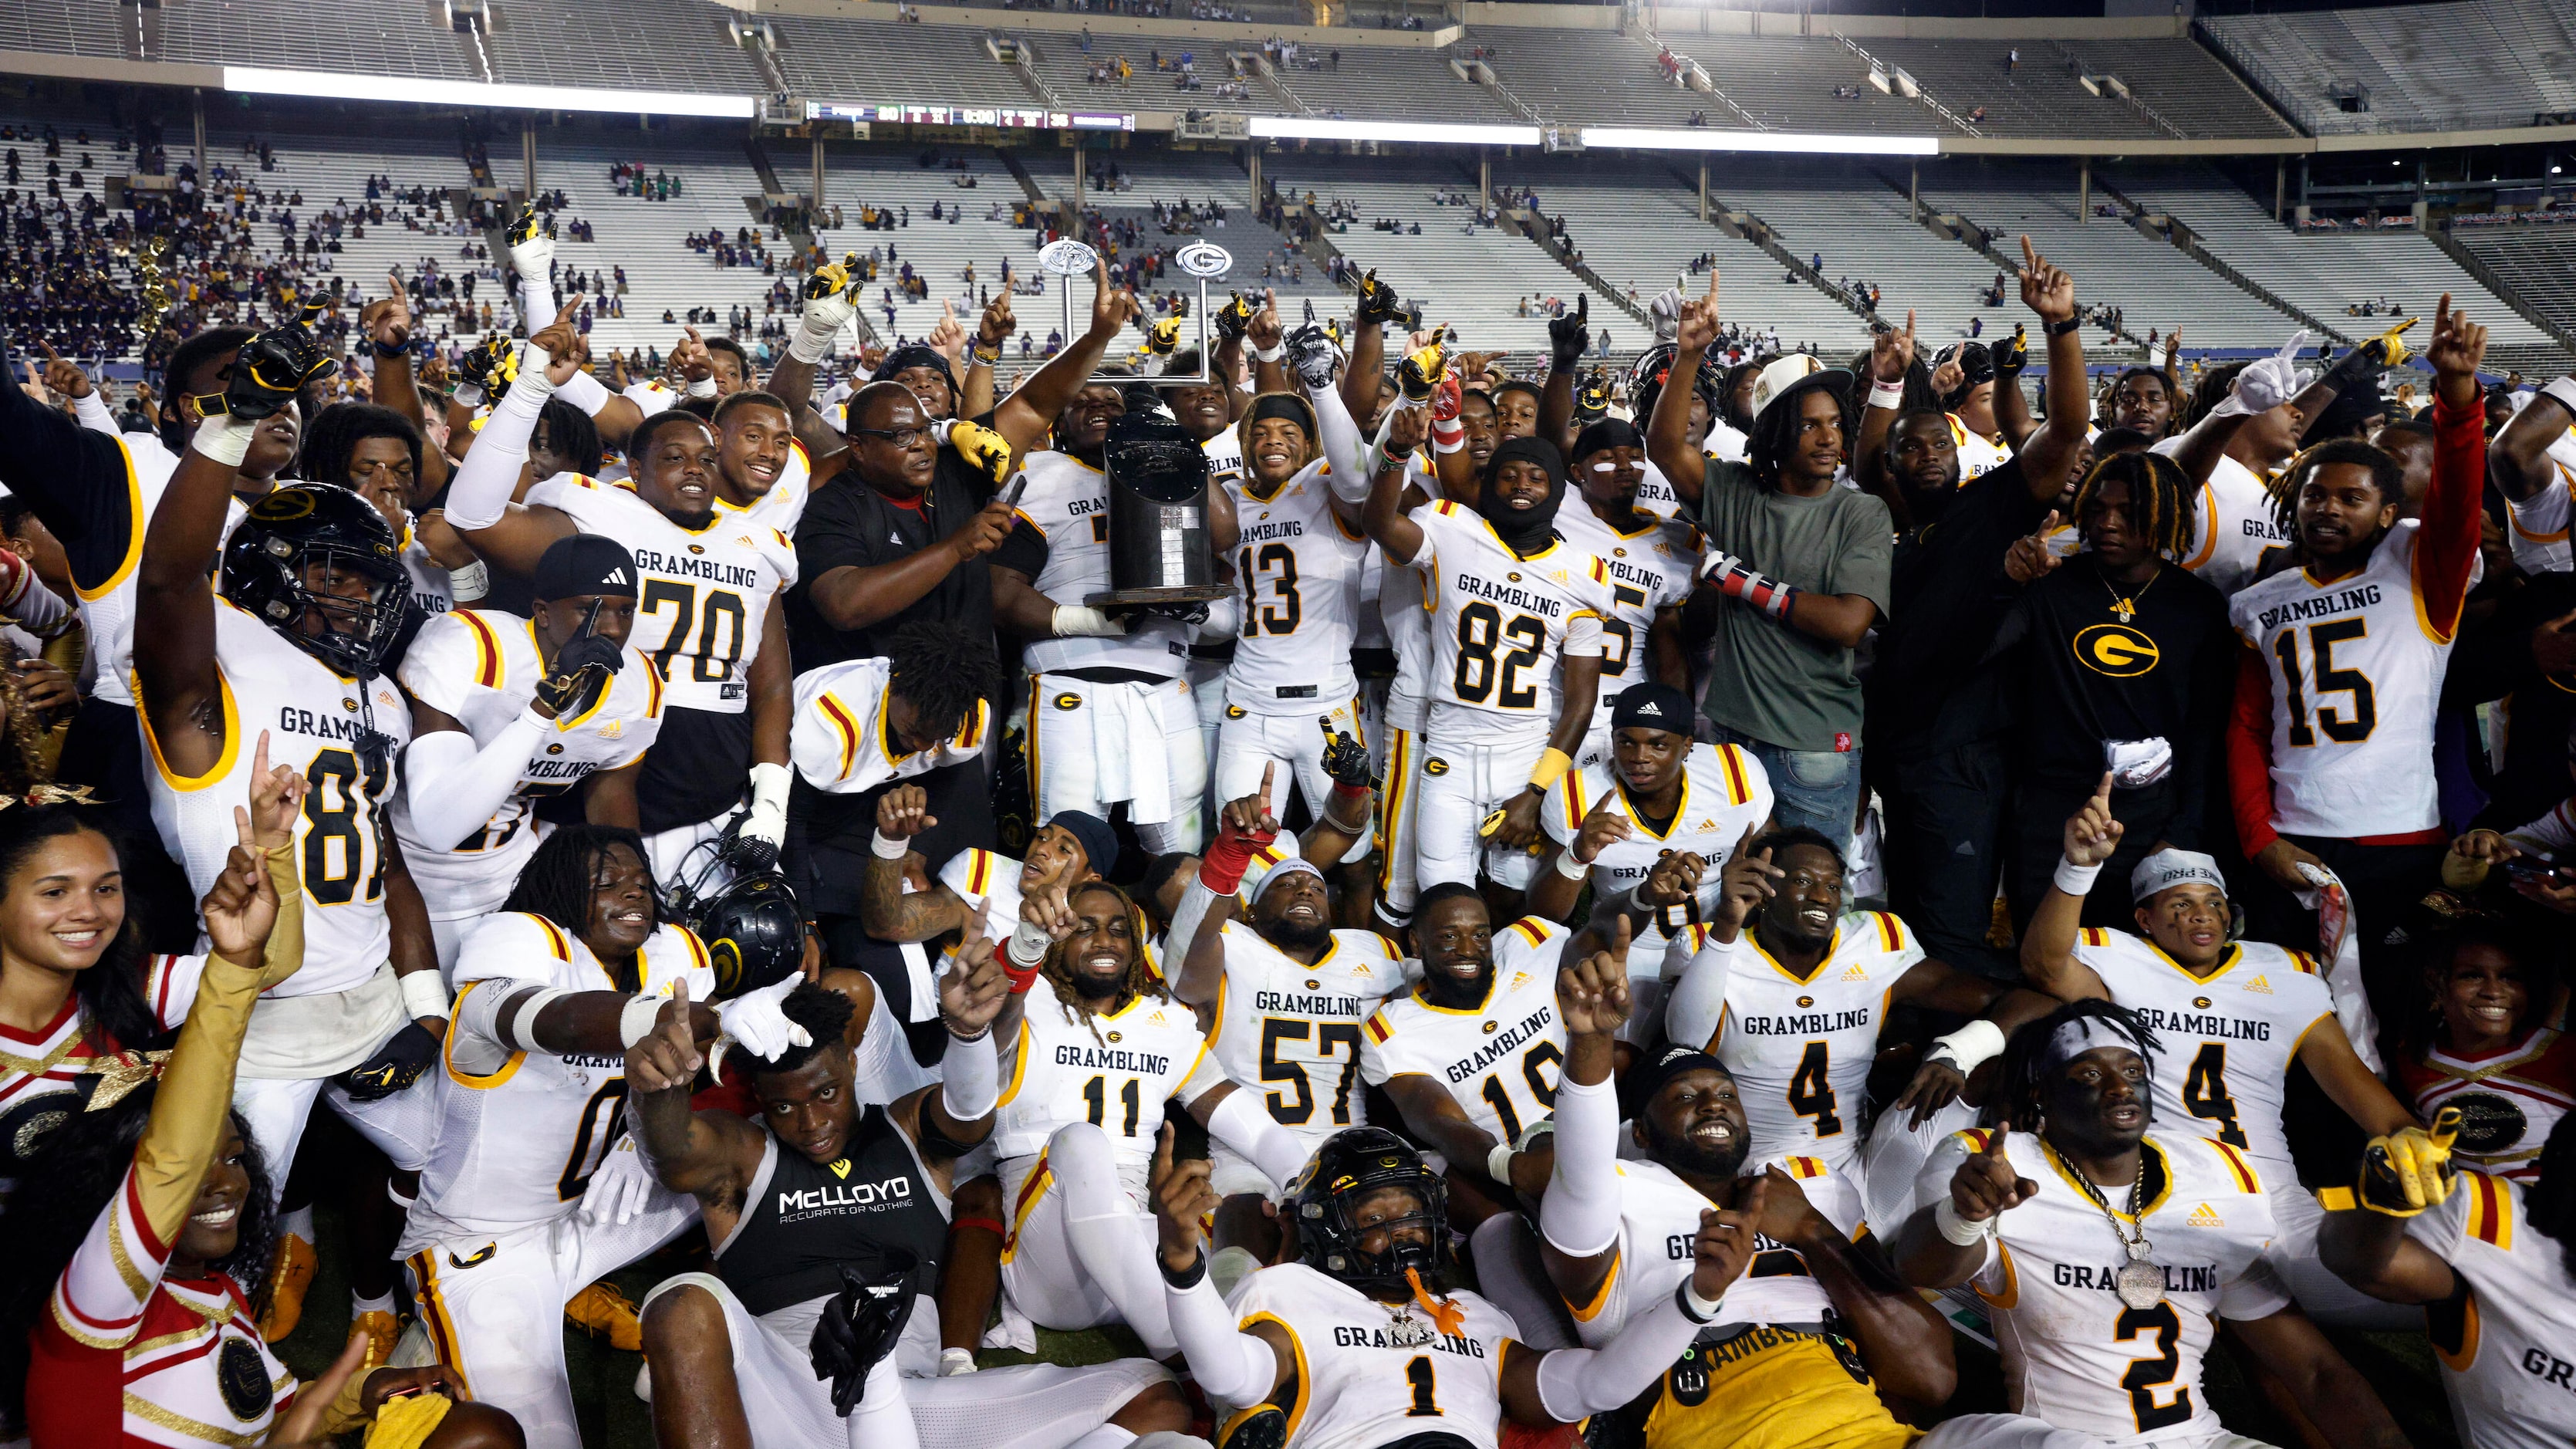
(1524, 531)
(915, 355)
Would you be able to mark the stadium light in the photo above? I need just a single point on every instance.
(1303, 128)
(340, 86)
(1802, 142)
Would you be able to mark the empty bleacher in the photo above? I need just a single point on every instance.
(868, 62)
(648, 238)
(2538, 262)
(1787, 84)
(1597, 76)
(1193, 178)
(1412, 85)
(2471, 65)
(376, 37)
(890, 177)
(331, 168)
(1860, 226)
(2191, 88)
(2039, 97)
(626, 44)
(93, 28)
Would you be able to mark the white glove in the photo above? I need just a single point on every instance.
(757, 1023)
(1666, 310)
(766, 822)
(1080, 621)
(622, 1187)
(822, 320)
(2267, 384)
(533, 259)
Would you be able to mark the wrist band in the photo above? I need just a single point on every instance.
(702, 387)
(423, 994)
(1693, 1307)
(1187, 1278)
(2075, 880)
(1958, 1230)
(1889, 395)
(225, 438)
(1568, 867)
(886, 847)
(2060, 329)
(1971, 1046)
(635, 1020)
(989, 1225)
(399, 349)
(1551, 767)
(985, 355)
(1498, 1164)
(1270, 354)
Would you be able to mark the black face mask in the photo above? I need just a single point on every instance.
(1523, 530)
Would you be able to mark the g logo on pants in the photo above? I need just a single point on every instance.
(1068, 701)
(1435, 766)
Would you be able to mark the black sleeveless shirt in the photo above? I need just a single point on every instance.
(802, 1220)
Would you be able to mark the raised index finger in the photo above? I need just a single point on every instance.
(565, 317)
(50, 354)
(2029, 256)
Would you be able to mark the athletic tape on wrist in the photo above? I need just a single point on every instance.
(1889, 395)
(635, 1020)
(886, 847)
(2075, 880)
(1958, 1230)
(423, 994)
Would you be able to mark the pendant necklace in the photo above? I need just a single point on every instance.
(2141, 1283)
(2126, 606)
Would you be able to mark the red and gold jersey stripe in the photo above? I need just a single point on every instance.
(1805, 1167)
(2246, 1181)
(489, 668)
(2490, 1210)
(1529, 932)
(1891, 932)
(1377, 1028)
(847, 728)
(1739, 790)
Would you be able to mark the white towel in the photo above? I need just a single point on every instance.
(2339, 944)
(1130, 761)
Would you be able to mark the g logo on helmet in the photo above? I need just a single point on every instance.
(284, 505)
(2116, 650)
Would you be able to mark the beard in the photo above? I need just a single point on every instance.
(1679, 1153)
(1459, 993)
(1296, 937)
(1099, 988)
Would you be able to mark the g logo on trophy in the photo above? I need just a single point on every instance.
(1160, 554)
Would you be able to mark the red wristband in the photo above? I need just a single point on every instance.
(1221, 869)
(1020, 977)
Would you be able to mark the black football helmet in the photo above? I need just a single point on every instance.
(1351, 1164)
(1646, 381)
(754, 932)
(286, 535)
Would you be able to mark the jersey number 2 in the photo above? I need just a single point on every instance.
(2146, 1375)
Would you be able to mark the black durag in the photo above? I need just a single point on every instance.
(1523, 531)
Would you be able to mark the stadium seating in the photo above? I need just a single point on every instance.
(2538, 262)
(632, 44)
(867, 62)
(2476, 64)
(1859, 224)
(370, 37)
(1194, 177)
(1787, 83)
(2191, 88)
(2040, 97)
(892, 178)
(648, 238)
(1375, 81)
(1599, 76)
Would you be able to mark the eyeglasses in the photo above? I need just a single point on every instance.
(901, 437)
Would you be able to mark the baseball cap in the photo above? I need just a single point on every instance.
(581, 564)
(1651, 706)
(1784, 375)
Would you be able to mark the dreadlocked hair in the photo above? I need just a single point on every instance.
(114, 1012)
(572, 436)
(556, 883)
(2550, 1200)
(824, 1013)
(2161, 498)
(2385, 475)
(333, 436)
(1776, 427)
(945, 671)
(2212, 389)
(82, 1164)
(1141, 977)
(2021, 1089)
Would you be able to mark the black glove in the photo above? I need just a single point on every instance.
(1233, 317)
(272, 368)
(1418, 376)
(1592, 400)
(1567, 337)
(528, 228)
(2012, 354)
(1378, 302)
(396, 1065)
(491, 364)
(1346, 760)
(747, 854)
(1311, 356)
(862, 1324)
(581, 669)
(832, 278)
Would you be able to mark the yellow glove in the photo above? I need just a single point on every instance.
(1163, 337)
(1233, 317)
(528, 228)
(832, 278)
(2390, 346)
(1420, 374)
(2404, 1172)
(982, 447)
(492, 365)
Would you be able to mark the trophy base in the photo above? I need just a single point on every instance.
(1182, 594)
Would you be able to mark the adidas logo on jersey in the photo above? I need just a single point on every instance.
(1857, 972)
(2260, 983)
(2205, 1216)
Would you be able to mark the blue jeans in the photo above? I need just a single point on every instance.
(1819, 789)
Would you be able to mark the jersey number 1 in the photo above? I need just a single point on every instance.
(1096, 1093)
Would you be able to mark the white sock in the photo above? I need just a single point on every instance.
(381, 1303)
(882, 1419)
(298, 1223)
(1107, 1436)
(1111, 1242)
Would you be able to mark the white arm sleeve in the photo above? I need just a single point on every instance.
(454, 788)
(2550, 835)
(1699, 999)
(1239, 1123)
(490, 473)
(1580, 1214)
(537, 304)
(1576, 1382)
(93, 413)
(1186, 918)
(1343, 446)
(1230, 1364)
(970, 1078)
(35, 608)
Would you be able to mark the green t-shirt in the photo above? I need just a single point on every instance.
(1769, 680)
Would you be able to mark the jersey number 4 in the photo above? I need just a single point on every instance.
(2204, 1093)
(1811, 1090)
(1338, 1038)
(341, 849)
(1481, 632)
(2343, 729)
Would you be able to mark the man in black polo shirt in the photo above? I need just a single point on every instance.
(1938, 720)
(897, 530)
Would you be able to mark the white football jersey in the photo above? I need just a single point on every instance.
(431, 589)
(1114, 1070)
(345, 737)
(2356, 670)
(842, 738)
(1291, 1032)
(1299, 571)
(2539, 523)
(1406, 617)
(1225, 459)
(1801, 1049)
(517, 1143)
(481, 668)
(784, 503)
(1067, 500)
(1500, 1061)
(2223, 1041)
(2232, 524)
(1655, 495)
(1658, 1248)
(1978, 454)
(1370, 1373)
(2509, 1101)
(2508, 1367)
(107, 612)
(2074, 1354)
(988, 883)
(1499, 622)
(705, 592)
(1647, 571)
(1725, 791)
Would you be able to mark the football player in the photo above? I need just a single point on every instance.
(1091, 1059)
(506, 712)
(2229, 1016)
(1657, 799)
(1508, 599)
(763, 475)
(864, 722)
(2490, 1262)
(1355, 1340)
(2106, 1255)
(1790, 988)
(706, 616)
(1650, 561)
